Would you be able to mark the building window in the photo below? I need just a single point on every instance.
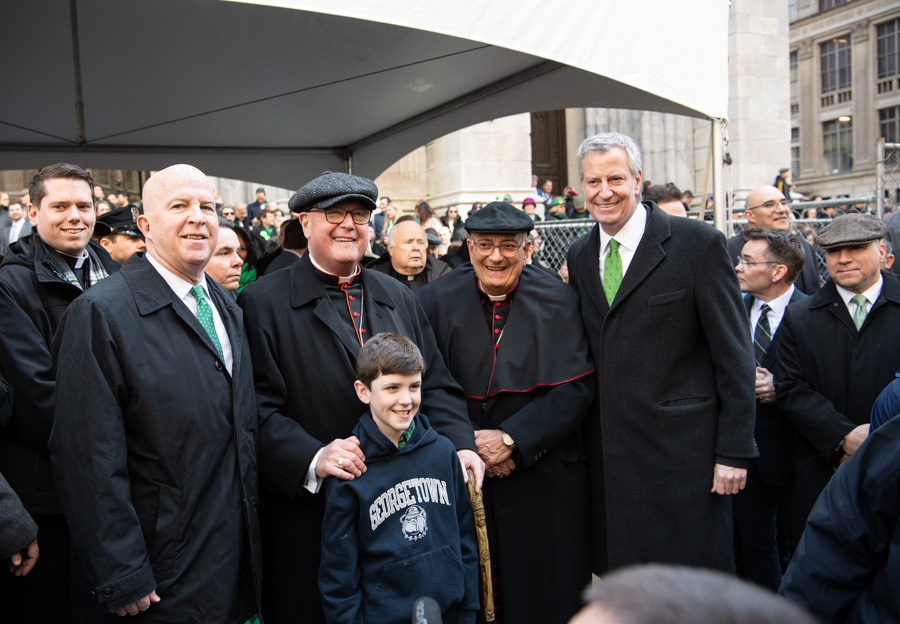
(835, 56)
(889, 122)
(888, 48)
(794, 65)
(795, 152)
(889, 125)
(824, 5)
(838, 142)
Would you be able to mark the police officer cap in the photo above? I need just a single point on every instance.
(851, 229)
(331, 188)
(497, 218)
(118, 221)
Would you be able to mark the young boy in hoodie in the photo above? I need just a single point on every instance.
(404, 529)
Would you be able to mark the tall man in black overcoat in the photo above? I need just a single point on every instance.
(510, 334)
(829, 372)
(672, 431)
(155, 432)
(305, 325)
(768, 265)
(40, 276)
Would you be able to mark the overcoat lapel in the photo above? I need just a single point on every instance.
(647, 257)
(589, 269)
(233, 317)
(152, 293)
(326, 312)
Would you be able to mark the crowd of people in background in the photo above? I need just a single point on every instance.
(180, 400)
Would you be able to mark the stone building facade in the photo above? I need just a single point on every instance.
(845, 93)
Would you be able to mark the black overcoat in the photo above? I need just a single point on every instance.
(153, 448)
(304, 371)
(537, 385)
(676, 395)
(828, 376)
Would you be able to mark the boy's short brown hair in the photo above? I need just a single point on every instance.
(388, 354)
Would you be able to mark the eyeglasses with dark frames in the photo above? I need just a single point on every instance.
(742, 261)
(507, 248)
(360, 216)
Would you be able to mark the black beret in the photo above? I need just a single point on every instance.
(118, 221)
(499, 218)
(851, 229)
(331, 188)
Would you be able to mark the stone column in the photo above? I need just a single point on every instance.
(863, 101)
(810, 128)
(759, 127)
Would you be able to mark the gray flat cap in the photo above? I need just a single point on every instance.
(499, 218)
(851, 229)
(331, 188)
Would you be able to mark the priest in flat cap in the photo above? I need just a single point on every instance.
(838, 351)
(512, 336)
(305, 326)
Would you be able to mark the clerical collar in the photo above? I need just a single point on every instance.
(340, 279)
(78, 260)
(496, 298)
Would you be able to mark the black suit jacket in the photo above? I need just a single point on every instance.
(774, 431)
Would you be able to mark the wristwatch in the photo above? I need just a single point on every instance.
(508, 441)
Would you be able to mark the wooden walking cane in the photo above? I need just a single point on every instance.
(484, 551)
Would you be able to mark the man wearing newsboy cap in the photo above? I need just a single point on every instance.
(512, 337)
(838, 351)
(306, 325)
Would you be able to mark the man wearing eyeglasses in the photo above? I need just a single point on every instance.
(768, 265)
(305, 325)
(768, 208)
(512, 337)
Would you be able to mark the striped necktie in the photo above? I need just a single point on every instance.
(762, 335)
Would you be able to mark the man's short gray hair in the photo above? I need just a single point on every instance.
(606, 141)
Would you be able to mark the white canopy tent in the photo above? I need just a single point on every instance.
(279, 91)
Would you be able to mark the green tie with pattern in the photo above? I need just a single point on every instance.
(612, 271)
(860, 314)
(205, 316)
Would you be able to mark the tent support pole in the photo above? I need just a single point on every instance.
(720, 207)
(76, 60)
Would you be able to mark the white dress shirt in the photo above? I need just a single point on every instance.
(15, 229)
(871, 295)
(778, 305)
(628, 238)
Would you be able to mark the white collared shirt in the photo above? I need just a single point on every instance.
(871, 295)
(629, 237)
(182, 290)
(777, 307)
(14, 230)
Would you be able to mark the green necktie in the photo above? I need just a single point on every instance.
(205, 316)
(860, 314)
(612, 271)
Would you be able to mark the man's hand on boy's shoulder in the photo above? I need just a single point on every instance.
(342, 458)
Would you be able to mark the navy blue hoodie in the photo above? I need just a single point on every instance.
(402, 530)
